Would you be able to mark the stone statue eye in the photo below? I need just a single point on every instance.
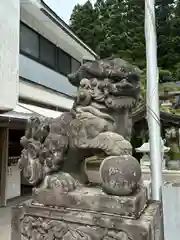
(94, 83)
(102, 85)
(84, 82)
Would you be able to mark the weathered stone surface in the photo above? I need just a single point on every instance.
(99, 124)
(38, 222)
(94, 199)
(120, 175)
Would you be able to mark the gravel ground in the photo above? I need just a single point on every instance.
(5, 223)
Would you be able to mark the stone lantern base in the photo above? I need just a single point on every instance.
(87, 214)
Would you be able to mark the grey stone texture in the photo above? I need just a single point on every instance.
(99, 124)
(120, 175)
(34, 222)
(54, 155)
(95, 199)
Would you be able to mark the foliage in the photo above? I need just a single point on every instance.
(177, 71)
(170, 110)
(112, 27)
(83, 23)
(165, 76)
(174, 152)
(166, 82)
(116, 28)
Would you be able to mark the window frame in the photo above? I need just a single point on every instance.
(53, 66)
(57, 49)
(58, 62)
(24, 52)
(74, 59)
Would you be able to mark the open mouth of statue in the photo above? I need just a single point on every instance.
(125, 92)
(119, 102)
(112, 102)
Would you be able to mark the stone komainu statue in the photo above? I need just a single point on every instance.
(99, 123)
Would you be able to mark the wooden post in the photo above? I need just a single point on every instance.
(4, 139)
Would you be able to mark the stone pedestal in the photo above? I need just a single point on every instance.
(87, 214)
(95, 199)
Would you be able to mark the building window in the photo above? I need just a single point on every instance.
(47, 52)
(64, 62)
(29, 41)
(39, 48)
(75, 65)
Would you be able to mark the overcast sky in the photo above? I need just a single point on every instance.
(64, 7)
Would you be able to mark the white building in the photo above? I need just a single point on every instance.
(37, 51)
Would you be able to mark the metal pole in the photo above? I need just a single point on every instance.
(153, 106)
(153, 100)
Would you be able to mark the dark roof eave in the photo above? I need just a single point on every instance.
(164, 116)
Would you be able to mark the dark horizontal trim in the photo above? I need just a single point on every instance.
(13, 123)
(47, 88)
(165, 117)
(64, 26)
(20, 123)
(139, 113)
(170, 118)
(5, 110)
(86, 60)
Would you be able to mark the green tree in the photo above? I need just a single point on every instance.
(83, 21)
(116, 28)
(165, 76)
(174, 49)
(116, 25)
(164, 19)
(135, 25)
(177, 71)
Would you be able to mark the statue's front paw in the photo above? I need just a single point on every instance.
(54, 188)
(59, 182)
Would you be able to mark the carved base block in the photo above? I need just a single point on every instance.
(94, 199)
(33, 222)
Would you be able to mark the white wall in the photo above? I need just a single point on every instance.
(9, 53)
(37, 93)
(171, 211)
(45, 76)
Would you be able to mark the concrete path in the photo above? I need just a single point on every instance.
(5, 218)
(5, 223)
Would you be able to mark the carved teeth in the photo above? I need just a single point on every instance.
(125, 102)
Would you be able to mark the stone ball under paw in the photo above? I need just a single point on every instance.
(120, 175)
